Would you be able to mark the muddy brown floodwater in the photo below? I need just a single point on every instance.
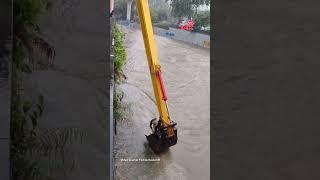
(186, 74)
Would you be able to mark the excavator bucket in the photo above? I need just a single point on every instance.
(162, 137)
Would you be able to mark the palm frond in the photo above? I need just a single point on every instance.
(43, 46)
(35, 43)
(56, 140)
(54, 145)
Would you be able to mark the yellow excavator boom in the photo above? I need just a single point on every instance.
(155, 68)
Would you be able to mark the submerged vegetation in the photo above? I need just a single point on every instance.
(34, 152)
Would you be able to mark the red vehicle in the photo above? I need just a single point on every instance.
(187, 25)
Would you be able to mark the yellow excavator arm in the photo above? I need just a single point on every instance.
(155, 68)
(164, 130)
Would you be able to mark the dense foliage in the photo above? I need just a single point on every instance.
(27, 34)
(186, 8)
(34, 151)
(119, 110)
(202, 19)
(120, 55)
(120, 8)
(159, 10)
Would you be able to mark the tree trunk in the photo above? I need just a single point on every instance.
(129, 4)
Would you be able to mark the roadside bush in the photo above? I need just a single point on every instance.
(119, 50)
(119, 112)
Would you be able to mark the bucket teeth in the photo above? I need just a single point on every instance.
(155, 144)
(160, 140)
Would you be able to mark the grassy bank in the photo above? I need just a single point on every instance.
(120, 57)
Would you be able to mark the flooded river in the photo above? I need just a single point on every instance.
(186, 73)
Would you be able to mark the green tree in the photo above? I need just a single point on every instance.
(120, 9)
(159, 10)
(181, 8)
(202, 19)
